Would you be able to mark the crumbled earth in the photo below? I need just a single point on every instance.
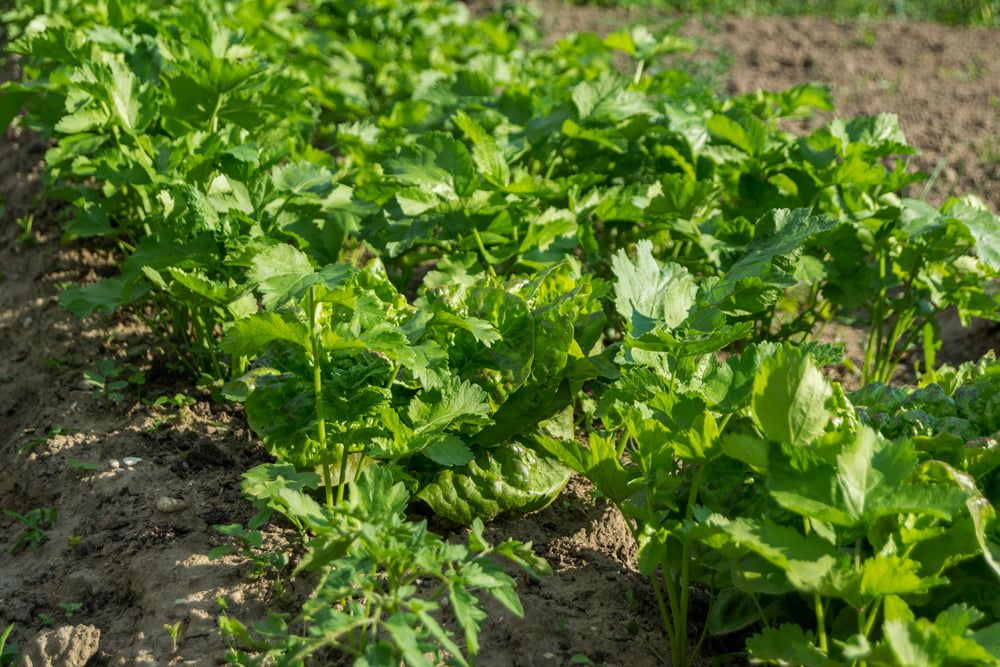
(134, 569)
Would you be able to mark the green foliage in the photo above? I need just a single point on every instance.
(382, 582)
(111, 381)
(429, 254)
(35, 523)
(8, 652)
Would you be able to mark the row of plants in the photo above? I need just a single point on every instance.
(440, 263)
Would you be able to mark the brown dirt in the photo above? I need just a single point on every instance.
(135, 569)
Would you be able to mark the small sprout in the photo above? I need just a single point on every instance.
(46, 620)
(54, 431)
(174, 630)
(111, 381)
(35, 522)
(8, 653)
(73, 541)
(82, 467)
(26, 236)
(70, 608)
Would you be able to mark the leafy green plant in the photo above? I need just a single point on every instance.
(82, 467)
(35, 523)
(111, 380)
(8, 652)
(922, 266)
(382, 581)
(878, 529)
(455, 388)
(174, 631)
(389, 225)
(69, 609)
(26, 236)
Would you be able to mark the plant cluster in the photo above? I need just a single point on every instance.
(427, 254)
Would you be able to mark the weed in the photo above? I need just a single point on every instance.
(82, 467)
(8, 652)
(54, 431)
(174, 631)
(36, 522)
(26, 236)
(111, 381)
(69, 609)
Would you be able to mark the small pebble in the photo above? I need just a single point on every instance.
(169, 505)
(131, 460)
(115, 465)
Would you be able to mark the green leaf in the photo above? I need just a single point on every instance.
(486, 153)
(780, 234)
(789, 400)
(893, 575)
(511, 477)
(787, 645)
(870, 478)
(438, 164)
(982, 224)
(280, 272)
(401, 627)
(457, 401)
(807, 560)
(647, 293)
(250, 336)
(104, 295)
(598, 462)
(608, 97)
(749, 134)
(945, 641)
(448, 450)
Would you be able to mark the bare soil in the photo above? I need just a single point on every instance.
(135, 569)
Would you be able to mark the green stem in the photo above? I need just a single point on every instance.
(818, 606)
(678, 645)
(482, 252)
(622, 443)
(930, 343)
(638, 71)
(708, 614)
(685, 583)
(313, 309)
(664, 614)
(873, 348)
(820, 621)
(760, 610)
(872, 615)
(342, 475)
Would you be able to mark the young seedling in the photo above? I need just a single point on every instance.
(111, 380)
(82, 467)
(8, 653)
(174, 630)
(25, 237)
(54, 431)
(35, 522)
(69, 609)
